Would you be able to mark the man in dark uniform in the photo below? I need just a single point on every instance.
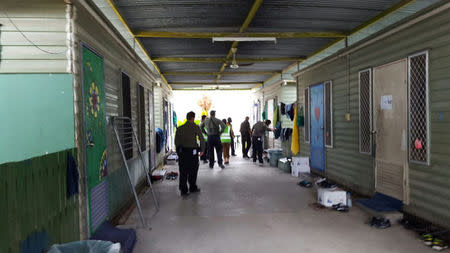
(246, 138)
(214, 128)
(188, 150)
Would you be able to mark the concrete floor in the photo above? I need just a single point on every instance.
(247, 208)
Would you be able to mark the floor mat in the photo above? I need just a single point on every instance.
(381, 203)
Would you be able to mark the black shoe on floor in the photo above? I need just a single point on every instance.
(227, 163)
(195, 190)
(211, 167)
(222, 166)
(233, 154)
(184, 194)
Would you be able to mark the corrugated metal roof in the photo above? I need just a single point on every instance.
(228, 16)
(383, 23)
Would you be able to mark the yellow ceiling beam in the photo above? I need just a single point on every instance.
(209, 35)
(200, 73)
(223, 60)
(244, 27)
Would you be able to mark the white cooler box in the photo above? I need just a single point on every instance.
(327, 197)
(299, 165)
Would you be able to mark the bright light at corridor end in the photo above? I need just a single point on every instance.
(240, 39)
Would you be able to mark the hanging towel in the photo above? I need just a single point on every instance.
(282, 108)
(278, 129)
(275, 115)
(71, 176)
(295, 145)
(290, 111)
(301, 118)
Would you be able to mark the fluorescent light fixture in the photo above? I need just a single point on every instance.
(271, 39)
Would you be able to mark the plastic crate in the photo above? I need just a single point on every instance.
(285, 165)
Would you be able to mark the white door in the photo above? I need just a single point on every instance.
(390, 123)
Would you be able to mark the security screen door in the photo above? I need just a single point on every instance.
(390, 124)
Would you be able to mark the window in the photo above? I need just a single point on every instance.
(306, 96)
(142, 119)
(419, 142)
(126, 112)
(365, 111)
(328, 114)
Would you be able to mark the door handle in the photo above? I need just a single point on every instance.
(91, 144)
(373, 132)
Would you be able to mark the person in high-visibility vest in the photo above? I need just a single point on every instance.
(225, 138)
(204, 157)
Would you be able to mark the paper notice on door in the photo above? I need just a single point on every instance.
(386, 102)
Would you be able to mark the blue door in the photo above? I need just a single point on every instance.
(316, 116)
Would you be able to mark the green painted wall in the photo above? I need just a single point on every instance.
(33, 197)
(37, 115)
(429, 185)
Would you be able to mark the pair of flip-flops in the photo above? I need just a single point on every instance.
(172, 176)
(305, 183)
(434, 242)
(341, 207)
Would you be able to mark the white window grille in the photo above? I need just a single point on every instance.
(306, 96)
(365, 111)
(328, 114)
(419, 136)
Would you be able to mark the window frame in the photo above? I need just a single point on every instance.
(307, 105)
(130, 152)
(330, 107)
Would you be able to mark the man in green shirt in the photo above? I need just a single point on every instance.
(214, 128)
(188, 150)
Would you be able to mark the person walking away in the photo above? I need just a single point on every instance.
(246, 134)
(188, 150)
(233, 151)
(226, 140)
(214, 128)
(259, 129)
(204, 157)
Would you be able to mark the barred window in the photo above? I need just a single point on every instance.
(418, 108)
(306, 96)
(328, 114)
(365, 111)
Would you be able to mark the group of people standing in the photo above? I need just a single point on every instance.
(219, 136)
(193, 141)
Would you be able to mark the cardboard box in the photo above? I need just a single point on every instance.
(300, 165)
(327, 197)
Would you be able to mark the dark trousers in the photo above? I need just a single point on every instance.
(257, 143)
(188, 165)
(233, 152)
(246, 144)
(214, 143)
(204, 157)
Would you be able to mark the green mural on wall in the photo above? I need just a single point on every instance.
(94, 117)
(95, 134)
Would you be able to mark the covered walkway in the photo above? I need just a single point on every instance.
(247, 208)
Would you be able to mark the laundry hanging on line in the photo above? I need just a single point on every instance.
(285, 134)
(283, 108)
(290, 111)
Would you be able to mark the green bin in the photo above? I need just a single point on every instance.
(274, 156)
